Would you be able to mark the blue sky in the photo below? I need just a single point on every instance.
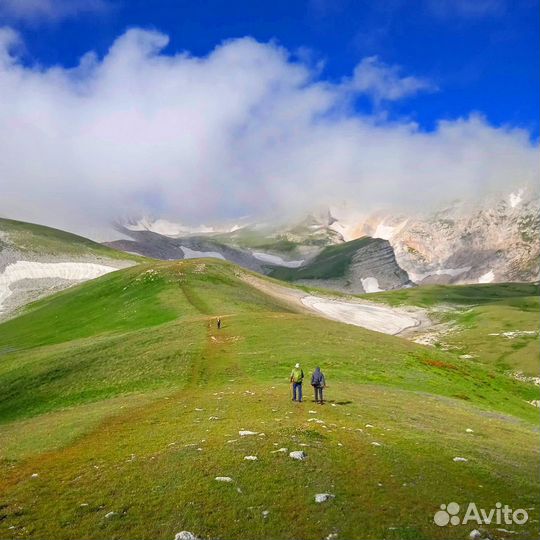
(200, 112)
(482, 55)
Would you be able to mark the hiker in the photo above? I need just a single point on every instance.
(219, 323)
(318, 382)
(297, 376)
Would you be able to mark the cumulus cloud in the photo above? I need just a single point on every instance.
(385, 83)
(243, 130)
(52, 10)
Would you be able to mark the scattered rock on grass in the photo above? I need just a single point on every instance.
(185, 535)
(374, 443)
(265, 513)
(250, 458)
(460, 459)
(298, 454)
(35, 475)
(246, 433)
(223, 479)
(469, 430)
(323, 497)
(475, 534)
(280, 450)
(111, 514)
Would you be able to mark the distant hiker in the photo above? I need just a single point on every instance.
(318, 382)
(297, 376)
(219, 323)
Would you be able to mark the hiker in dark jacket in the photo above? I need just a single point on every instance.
(318, 382)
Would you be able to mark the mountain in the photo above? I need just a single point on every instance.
(496, 239)
(126, 413)
(307, 252)
(37, 260)
(365, 265)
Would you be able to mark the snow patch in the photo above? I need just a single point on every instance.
(515, 198)
(373, 317)
(36, 270)
(488, 277)
(275, 259)
(192, 254)
(371, 285)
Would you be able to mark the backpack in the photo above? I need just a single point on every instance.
(317, 379)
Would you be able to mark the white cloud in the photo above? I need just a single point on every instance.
(243, 130)
(385, 83)
(53, 10)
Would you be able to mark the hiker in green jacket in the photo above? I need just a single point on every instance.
(297, 376)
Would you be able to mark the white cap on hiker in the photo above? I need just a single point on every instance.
(297, 365)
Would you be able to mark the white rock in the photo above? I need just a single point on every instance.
(460, 459)
(111, 514)
(368, 425)
(185, 535)
(323, 497)
(213, 418)
(280, 450)
(312, 412)
(474, 534)
(374, 443)
(298, 454)
(265, 513)
(250, 458)
(246, 433)
(469, 430)
(223, 479)
(35, 475)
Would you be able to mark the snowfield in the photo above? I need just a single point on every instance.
(371, 284)
(373, 317)
(36, 270)
(488, 277)
(278, 261)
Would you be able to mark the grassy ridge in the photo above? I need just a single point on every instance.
(332, 262)
(136, 408)
(40, 239)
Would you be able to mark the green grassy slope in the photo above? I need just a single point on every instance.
(332, 262)
(122, 396)
(28, 237)
(480, 316)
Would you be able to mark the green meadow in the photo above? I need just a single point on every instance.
(121, 402)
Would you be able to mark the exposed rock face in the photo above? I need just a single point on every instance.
(493, 240)
(372, 268)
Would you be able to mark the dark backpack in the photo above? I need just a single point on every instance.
(316, 379)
